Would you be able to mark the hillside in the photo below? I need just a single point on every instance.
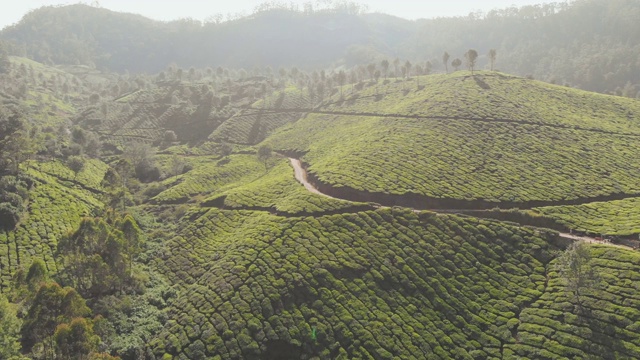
(384, 284)
(167, 216)
(590, 44)
(512, 143)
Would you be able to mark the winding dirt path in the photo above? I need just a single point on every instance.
(301, 176)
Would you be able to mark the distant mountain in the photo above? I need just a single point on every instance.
(591, 44)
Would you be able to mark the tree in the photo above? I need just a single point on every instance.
(75, 340)
(385, 67)
(52, 305)
(169, 137)
(9, 331)
(11, 130)
(445, 60)
(133, 237)
(492, 57)
(396, 65)
(371, 68)
(408, 66)
(264, 154)
(576, 270)
(456, 63)
(76, 164)
(177, 165)
(471, 57)
(342, 78)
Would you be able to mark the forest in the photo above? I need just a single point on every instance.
(451, 188)
(589, 44)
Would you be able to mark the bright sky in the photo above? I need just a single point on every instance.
(13, 10)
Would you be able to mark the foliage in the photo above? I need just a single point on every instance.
(574, 266)
(264, 154)
(9, 331)
(98, 257)
(75, 340)
(51, 306)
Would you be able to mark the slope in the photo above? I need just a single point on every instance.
(511, 141)
(379, 284)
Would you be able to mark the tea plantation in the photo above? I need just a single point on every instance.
(385, 284)
(497, 146)
(179, 190)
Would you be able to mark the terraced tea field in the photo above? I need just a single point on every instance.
(54, 210)
(379, 283)
(620, 217)
(557, 156)
(254, 125)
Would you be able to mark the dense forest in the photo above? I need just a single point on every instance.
(383, 190)
(590, 44)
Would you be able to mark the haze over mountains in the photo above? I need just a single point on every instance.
(588, 44)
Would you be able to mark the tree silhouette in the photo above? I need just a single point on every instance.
(445, 60)
(408, 65)
(385, 67)
(264, 154)
(456, 63)
(342, 78)
(492, 57)
(396, 66)
(471, 57)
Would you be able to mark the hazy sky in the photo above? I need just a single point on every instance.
(13, 10)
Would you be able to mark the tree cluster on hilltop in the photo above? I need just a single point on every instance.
(589, 44)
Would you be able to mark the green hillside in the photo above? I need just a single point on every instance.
(385, 284)
(491, 138)
(167, 216)
(620, 217)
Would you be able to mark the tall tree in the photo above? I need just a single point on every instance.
(52, 305)
(408, 66)
(385, 67)
(342, 78)
(445, 60)
(76, 340)
(471, 57)
(76, 164)
(492, 57)
(396, 66)
(264, 154)
(576, 269)
(11, 130)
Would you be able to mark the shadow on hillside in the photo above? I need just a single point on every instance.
(281, 350)
(481, 83)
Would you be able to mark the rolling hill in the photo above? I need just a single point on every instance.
(241, 261)
(462, 141)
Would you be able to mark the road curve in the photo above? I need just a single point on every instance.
(301, 176)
